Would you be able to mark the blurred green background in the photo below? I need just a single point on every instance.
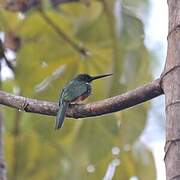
(53, 43)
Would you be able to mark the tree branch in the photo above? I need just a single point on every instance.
(110, 105)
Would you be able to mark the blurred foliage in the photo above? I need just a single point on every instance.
(112, 35)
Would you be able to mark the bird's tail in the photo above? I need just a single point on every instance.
(61, 114)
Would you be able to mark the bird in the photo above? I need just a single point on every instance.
(78, 89)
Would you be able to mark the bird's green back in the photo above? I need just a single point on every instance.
(74, 89)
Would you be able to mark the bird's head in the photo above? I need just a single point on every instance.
(88, 78)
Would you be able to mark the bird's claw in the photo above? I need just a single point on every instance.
(75, 104)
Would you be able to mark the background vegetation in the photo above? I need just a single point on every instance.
(52, 44)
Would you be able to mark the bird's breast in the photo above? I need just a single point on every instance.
(84, 95)
(81, 98)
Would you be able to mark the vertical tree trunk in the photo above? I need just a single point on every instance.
(171, 86)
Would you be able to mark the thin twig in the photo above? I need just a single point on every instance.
(79, 48)
(16, 144)
(116, 68)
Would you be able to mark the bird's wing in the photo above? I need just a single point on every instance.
(74, 89)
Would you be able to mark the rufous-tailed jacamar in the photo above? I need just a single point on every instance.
(76, 90)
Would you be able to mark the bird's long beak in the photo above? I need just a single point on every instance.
(100, 76)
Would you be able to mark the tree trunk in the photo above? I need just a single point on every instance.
(171, 87)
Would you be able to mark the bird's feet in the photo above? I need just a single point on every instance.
(73, 104)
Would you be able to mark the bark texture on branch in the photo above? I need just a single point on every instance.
(171, 87)
(114, 104)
